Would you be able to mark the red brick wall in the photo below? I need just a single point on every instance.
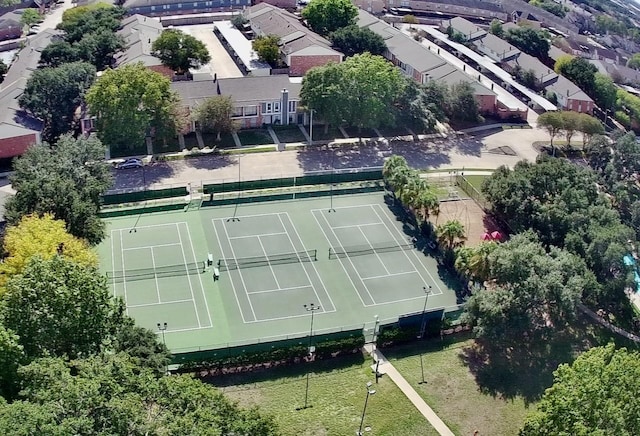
(585, 107)
(486, 103)
(301, 64)
(10, 147)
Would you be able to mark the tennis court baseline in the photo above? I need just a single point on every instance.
(266, 264)
(381, 263)
(156, 270)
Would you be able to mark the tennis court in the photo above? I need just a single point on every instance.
(350, 256)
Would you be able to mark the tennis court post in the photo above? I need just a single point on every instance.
(427, 291)
(309, 308)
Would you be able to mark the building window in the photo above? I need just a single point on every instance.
(293, 105)
(276, 107)
(179, 5)
(195, 5)
(250, 111)
(267, 108)
(237, 112)
(153, 8)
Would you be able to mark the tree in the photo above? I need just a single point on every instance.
(84, 20)
(30, 17)
(326, 16)
(214, 115)
(180, 51)
(142, 346)
(352, 40)
(581, 72)
(9, 2)
(634, 61)
(410, 19)
(451, 234)
(412, 108)
(11, 357)
(131, 101)
(605, 91)
(462, 104)
(44, 237)
(58, 53)
(3, 70)
(570, 123)
(530, 41)
(595, 395)
(562, 63)
(66, 180)
(589, 126)
(526, 77)
(267, 48)
(54, 95)
(495, 28)
(99, 48)
(533, 293)
(75, 310)
(553, 123)
(474, 262)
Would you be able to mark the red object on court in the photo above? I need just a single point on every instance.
(486, 237)
(496, 235)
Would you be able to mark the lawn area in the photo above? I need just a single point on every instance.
(390, 132)
(226, 140)
(452, 391)
(289, 133)
(337, 391)
(254, 137)
(476, 180)
(364, 133)
(332, 133)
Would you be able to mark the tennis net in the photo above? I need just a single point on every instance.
(274, 259)
(150, 273)
(361, 250)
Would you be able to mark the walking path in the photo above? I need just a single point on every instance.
(385, 367)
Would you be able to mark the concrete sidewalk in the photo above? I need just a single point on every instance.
(385, 367)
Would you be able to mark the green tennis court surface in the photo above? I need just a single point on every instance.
(355, 261)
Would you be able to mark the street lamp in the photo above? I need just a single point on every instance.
(309, 308)
(423, 325)
(333, 172)
(311, 127)
(163, 327)
(366, 400)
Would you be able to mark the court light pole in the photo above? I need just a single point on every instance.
(309, 308)
(162, 328)
(311, 127)
(235, 209)
(364, 409)
(333, 172)
(427, 291)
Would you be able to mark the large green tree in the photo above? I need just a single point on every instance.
(180, 51)
(605, 91)
(130, 103)
(581, 72)
(267, 48)
(54, 95)
(75, 312)
(3, 70)
(413, 108)
(85, 20)
(326, 16)
(595, 395)
(352, 40)
(530, 41)
(553, 123)
(29, 17)
(214, 115)
(462, 104)
(65, 180)
(634, 61)
(110, 394)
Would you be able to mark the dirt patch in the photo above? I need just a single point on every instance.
(472, 217)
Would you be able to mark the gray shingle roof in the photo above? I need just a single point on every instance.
(497, 47)
(139, 33)
(543, 73)
(27, 59)
(467, 28)
(13, 120)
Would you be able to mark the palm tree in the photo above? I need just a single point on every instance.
(392, 164)
(479, 263)
(451, 234)
(426, 203)
(463, 257)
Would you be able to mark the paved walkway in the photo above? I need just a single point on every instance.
(385, 367)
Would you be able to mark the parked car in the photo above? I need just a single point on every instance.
(130, 163)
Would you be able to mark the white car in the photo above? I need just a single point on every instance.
(130, 163)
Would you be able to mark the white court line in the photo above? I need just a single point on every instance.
(374, 251)
(233, 253)
(268, 263)
(302, 264)
(184, 259)
(249, 216)
(163, 302)
(433, 280)
(390, 275)
(113, 266)
(346, 207)
(263, 234)
(204, 294)
(279, 318)
(350, 261)
(124, 280)
(230, 278)
(156, 225)
(354, 225)
(144, 247)
(280, 289)
(155, 276)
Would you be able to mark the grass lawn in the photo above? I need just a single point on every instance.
(254, 137)
(337, 391)
(332, 133)
(289, 133)
(476, 180)
(364, 133)
(390, 132)
(226, 140)
(452, 391)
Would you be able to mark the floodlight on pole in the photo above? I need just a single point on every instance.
(162, 327)
(311, 307)
(364, 409)
(427, 291)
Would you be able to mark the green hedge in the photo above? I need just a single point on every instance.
(135, 211)
(155, 194)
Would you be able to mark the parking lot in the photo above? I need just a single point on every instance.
(221, 63)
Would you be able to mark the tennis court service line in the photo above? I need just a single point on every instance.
(184, 259)
(313, 212)
(433, 280)
(353, 225)
(155, 276)
(273, 273)
(374, 251)
(113, 263)
(304, 266)
(292, 288)
(253, 236)
(124, 281)
(188, 300)
(390, 275)
(244, 286)
(144, 247)
(204, 294)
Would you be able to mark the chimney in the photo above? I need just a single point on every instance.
(284, 107)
